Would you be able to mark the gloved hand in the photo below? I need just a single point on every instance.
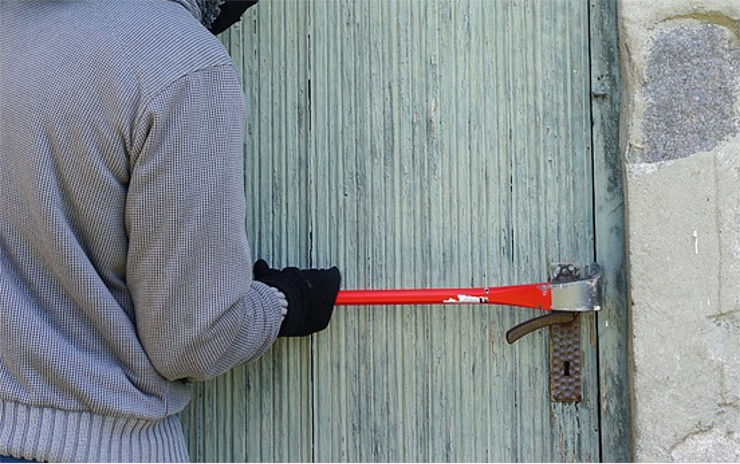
(310, 292)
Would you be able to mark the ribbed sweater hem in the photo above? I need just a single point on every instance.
(53, 435)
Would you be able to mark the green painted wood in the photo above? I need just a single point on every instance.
(609, 219)
(412, 143)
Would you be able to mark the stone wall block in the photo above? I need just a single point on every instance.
(680, 138)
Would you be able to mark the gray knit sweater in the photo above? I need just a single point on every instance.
(124, 267)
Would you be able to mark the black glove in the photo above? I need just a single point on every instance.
(310, 293)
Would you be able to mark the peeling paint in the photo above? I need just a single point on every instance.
(467, 299)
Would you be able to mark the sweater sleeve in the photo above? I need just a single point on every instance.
(198, 310)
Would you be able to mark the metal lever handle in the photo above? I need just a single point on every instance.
(556, 317)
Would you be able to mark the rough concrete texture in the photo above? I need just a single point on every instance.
(683, 225)
(684, 250)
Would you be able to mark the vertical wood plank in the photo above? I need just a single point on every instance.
(609, 222)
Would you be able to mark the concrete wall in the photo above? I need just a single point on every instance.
(680, 137)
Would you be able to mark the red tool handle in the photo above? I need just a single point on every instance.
(536, 296)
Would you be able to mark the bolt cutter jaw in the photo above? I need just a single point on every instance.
(570, 296)
(580, 295)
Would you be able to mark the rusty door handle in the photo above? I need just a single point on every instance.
(556, 317)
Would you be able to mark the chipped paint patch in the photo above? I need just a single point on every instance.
(467, 299)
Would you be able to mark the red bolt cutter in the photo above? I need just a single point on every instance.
(577, 295)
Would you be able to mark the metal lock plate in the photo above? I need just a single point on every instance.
(565, 347)
(565, 361)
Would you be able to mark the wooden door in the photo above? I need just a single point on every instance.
(426, 144)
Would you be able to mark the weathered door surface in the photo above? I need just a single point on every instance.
(426, 144)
